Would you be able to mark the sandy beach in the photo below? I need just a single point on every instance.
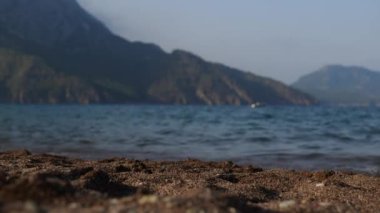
(46, 183)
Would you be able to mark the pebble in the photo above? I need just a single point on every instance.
(324, 204)
(287, 204)
(73, 206)
(232, 210)
(149, 199)
(32, 207)
(320, 185)
(114, 201)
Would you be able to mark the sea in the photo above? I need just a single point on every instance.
(307, 138)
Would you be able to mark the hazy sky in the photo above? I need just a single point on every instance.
(275, 38)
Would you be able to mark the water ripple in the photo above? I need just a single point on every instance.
(294, 137)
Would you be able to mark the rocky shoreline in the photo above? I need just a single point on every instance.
(46, 183)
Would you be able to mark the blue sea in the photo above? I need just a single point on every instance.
(311, 138)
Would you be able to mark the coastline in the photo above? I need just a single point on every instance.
(40, 182)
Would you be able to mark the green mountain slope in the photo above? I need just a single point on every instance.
(66, 42)
(337, 84)
(27, 79)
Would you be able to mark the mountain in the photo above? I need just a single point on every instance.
(53, 51)
(347, 85)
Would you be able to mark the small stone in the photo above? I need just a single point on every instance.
(287, 204)
(149, 199)
(194, 210)
(324, 204)
(168, 202)
(320, 184)
(73, 206)
(114, 201)
(232, 210)
(32, 207)
(125, 200)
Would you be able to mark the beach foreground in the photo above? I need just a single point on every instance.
(38, 183)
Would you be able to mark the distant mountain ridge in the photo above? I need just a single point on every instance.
(52, 51)
(347, 85)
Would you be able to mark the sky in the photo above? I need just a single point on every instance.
(275, 38)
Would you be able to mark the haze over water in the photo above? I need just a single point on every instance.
(279, 39)
(291, 137)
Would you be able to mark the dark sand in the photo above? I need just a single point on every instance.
(39, 183)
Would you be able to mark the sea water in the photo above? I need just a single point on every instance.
(345, 138)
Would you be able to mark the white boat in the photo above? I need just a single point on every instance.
(256, 105)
